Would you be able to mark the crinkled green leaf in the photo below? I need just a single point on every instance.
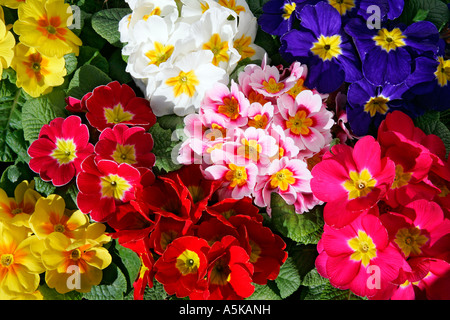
(163, 148)
(51, 294)
(288, 280)
(303, 228)
(112, 287)
(269, 291)
(86, 79)
(436, 12)
(38, 112)
(431, 123)
(106, 24)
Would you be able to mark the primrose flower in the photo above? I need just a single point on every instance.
(19, 268)
(105, 185)
(324, 46)
(61, 147)
(51, 215)
(13, 4)
(126, 145)
(351, 180)
(183, 265)
(7, 43)
(183, 86)
(387, 54)
(114, 103)
(347, 255)
(18, 209)
(63, 255)
(37, 73)
(287, 177)
(43, 25)
(306, 120)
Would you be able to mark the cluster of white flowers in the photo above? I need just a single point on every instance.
(178, 49)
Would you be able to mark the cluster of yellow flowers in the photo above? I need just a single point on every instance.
(43, 40)
(39, 234)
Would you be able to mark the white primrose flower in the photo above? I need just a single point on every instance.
(244, 40)
(215, 32)
(181, 88)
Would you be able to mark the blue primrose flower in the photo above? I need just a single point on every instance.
(321, 43)
(388, 54)
(279, 15)
(388, 9)
(368, 105)
(431, 87)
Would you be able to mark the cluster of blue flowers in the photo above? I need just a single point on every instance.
(383, 66)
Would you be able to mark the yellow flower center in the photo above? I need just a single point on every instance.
(187, 262)
(230, 108)
(75, 254)
(389, 40)
(359, 184)
(65, 151)
(401, 178)
(443, 72)
(114, 186)
(218, 47)
(250, 149)
(297, 88)
(255, 251)
(259, 121)
(220, 273)
(327, 48)
(117, 114)
(231, 4)
(7, 259)
(272, 86)
(282, 179)
(236, 175)
(342, 5)
(376, 104)
(288, 8)
(242, 45)
(160, 54)
(124, 154)
(184, 83)
(410, 240)
(363, 247)
(59, 228)
(300, 123)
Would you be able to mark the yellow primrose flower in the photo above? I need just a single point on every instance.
(37, 74)
(43, 24)
(74, 264)
(13, 4)
(36, 295)
(19, 268)
(51, 215)
(17, 210)
(7, 43)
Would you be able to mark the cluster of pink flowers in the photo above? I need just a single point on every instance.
(387, 211)
(261, 135)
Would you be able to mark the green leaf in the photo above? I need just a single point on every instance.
(92, 56)
(131, 262)
(437, 12)
(71, 62)
(51, 294)
(303, 228)
(157, 292)
(171, 122)
(265, 292)
(43, 187)
(106, 24)
(163, 147)
(117, 68)
(13, 175)
(112, 287)
(314, 279)
(86, 79)
(430, 123)
(38, 112)
(288, 280)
